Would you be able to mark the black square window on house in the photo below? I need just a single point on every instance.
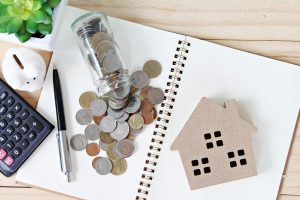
(217, 133)
(206, 170)
(233, 164)
(197, 172)
(209, 145)
(195, 163)
(207, 136)
(230, 154)
(219, 143)
(204, 160)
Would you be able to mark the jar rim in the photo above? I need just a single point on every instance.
(88, 15)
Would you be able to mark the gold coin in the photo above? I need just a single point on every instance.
(131, 137)
(106, 138)
(136, 121)
(86, 98)
(133, 90)
(150, 116)
(153, 68)
(119, 166)
(92, 149)
(110, 152)
(94, 161)
(105, 98)
(97, 37)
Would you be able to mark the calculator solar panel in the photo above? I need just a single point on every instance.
(22, 129)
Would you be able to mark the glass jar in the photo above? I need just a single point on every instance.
(100, 51)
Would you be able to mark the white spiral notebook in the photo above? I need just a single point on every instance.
(265, 89)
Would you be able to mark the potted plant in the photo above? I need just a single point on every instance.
(33, 23)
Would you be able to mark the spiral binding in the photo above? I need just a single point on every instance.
(163, 119)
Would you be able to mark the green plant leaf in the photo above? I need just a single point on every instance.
(3, 27)
(23, 36)
(15, 11)
(14, 25)
(3, 12)
(48, 20)
(7, 2)
(5, 19)
(31, 26)
(47, 9)
(37, 4)
(53, 3)
(44, 1)
(45, 29)
(38, 16)
(25, 15)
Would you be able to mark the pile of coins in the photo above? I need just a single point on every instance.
(116, 119)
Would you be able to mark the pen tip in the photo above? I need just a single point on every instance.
(68, 176)
(54, 66)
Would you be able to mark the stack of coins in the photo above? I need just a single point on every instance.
(116, 119)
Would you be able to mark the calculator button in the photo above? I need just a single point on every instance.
(9, 116)
(16, 137)
(24, 129)
(3, 124)
(23, 144)
(17, 108)
(3, 109)
(16, 122)
(2, 154)
(3, 139)
(9, 145)
(16, 152)
(31, 135)
(9, 130)
(9, 161)
(9, 101)
(24, 114)
(3, 95)
(35, 124)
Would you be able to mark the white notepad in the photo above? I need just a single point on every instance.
(266, 90)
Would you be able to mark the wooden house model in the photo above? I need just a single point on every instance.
(215, 145)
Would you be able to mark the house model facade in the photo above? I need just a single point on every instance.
(215, 145)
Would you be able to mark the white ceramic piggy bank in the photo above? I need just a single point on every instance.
(23, 69)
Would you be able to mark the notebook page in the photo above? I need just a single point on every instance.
(267, 92)
(137, 44)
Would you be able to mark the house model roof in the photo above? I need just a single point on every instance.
(210, 114)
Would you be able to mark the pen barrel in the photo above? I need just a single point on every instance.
(61, 124)
(64, 152)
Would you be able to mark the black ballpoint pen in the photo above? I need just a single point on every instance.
(63, 146)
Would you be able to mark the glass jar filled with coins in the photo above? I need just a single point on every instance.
(100, 52)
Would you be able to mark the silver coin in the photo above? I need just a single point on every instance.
(92, 132)
(78, 142)
(121, 93)
(108, 124)
(117, 104)
(84, 117)
(155, 96)
(123, 118)
(103, 166)
(115, 113)
(121, 131)
(133, 105)
(98, 107)
(112, 63)
(139, 79)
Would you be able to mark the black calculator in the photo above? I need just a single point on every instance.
(22, 129)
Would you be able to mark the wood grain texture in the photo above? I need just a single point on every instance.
(270, 28)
